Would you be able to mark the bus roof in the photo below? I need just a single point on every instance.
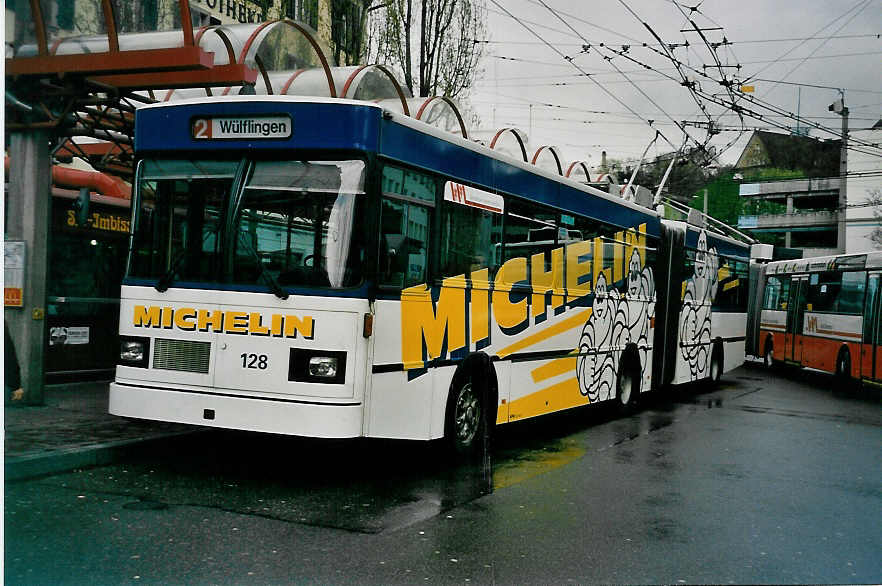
(338, 124)
(868, 260)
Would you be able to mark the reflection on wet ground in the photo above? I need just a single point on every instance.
(365, 486)
(371, 486)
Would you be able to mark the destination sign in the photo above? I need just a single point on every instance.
(242, 127)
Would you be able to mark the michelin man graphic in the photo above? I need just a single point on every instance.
(616, 320)
(596, 367)
(695, 317)
(638, 307)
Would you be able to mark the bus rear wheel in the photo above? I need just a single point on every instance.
(716, 365)
(768, 357)
(843, 372)
(627, 384)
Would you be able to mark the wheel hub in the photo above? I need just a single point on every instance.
(467, 415)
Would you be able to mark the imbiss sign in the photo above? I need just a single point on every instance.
(232, 10)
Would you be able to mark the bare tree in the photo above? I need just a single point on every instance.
(434, 43)
(874, 199)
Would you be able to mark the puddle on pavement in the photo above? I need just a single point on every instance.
(365, 486)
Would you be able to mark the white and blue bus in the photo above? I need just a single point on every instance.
(328, 268)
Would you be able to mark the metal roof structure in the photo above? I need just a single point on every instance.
(86, 85)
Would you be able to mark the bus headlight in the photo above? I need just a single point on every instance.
(317, 366)
(133, 351)
(323, 366)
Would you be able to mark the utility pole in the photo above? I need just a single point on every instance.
(839, 107)
(27, 220)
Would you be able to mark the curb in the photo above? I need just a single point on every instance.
(32, 466)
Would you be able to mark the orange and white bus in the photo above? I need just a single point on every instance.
(824, 313)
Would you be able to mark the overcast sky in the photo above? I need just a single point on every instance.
(520, 69)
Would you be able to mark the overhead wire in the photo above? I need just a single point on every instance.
(696, 90)
(553, 48)
(754, 100)
(815, 35)
(685, 81)
(844, 24)
(724, 81)
(637, 87)
(729, 43)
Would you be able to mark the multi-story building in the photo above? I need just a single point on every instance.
(792, 185)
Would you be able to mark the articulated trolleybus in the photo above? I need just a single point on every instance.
(329, 268)
(823, 313)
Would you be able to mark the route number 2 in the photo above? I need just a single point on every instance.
(255, 361)
(201, 128)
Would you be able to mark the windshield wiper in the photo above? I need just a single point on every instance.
(166, 280)
(271, 281)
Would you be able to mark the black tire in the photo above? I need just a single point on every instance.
(768, 358)
(844, 382)
(716, 365)
(465, 422)
(628, 384)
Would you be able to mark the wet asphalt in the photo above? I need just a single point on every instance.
(768, 478)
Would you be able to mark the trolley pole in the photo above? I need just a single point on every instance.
(27, 220)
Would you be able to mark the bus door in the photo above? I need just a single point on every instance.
(871, 346)
(795, 314)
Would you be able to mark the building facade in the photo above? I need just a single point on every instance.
(790, 187)
(864, 188)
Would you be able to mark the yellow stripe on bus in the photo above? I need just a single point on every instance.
(554, 368)
(562, 395)
(575, 321)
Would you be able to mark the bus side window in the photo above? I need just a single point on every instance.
(405, 227)
(772, 294)
(469, 239)
(850, 298)
(785, 293)
(529, 229)
(823, 291)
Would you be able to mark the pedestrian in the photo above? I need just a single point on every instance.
(11, 371)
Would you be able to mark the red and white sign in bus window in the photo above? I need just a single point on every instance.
(473, 197)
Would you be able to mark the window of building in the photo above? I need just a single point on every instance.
(813, 239)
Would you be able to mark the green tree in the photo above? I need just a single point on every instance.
(685, 178)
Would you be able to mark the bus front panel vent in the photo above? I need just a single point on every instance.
(182, 355)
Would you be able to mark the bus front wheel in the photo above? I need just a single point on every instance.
(465, 418)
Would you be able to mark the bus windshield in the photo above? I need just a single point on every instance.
(292, 222)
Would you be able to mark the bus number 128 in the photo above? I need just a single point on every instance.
(257, 361)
